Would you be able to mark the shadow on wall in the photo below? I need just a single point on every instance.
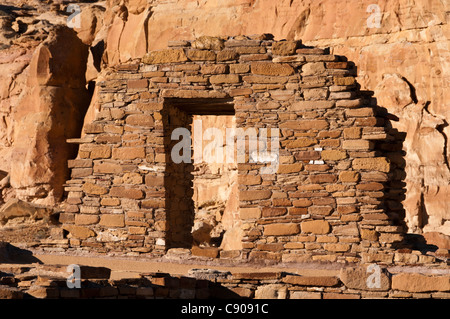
(394, 181)
(178, 183)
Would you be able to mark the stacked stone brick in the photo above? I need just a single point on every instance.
(50, 281)
(325, 202)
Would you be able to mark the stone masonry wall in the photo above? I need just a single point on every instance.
(50, 282)
(326, 201)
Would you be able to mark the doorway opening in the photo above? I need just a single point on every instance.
(201, 178)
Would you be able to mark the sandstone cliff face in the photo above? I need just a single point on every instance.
(44, 99)
(400, 47)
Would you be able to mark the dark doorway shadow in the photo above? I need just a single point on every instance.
(180, 172)
(178, 181)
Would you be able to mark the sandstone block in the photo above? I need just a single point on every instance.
(360, 112)
(316, 94)
(307, 155)
(303, 202)
(153, 203)
(370, 186)
(320, 210)
(311, 105)
(263, 79)
(80, 232)
(249, 179)
(349, 103)
(357, 145)
(151, 180)
(271, 291)
(81, 172)
(269, 68)
(128, 153)
(273, 211)
(352, 133)
(304, 295)
(227, 55)
(361, 278)
(323, 178)
(333, 155)
(310, 51)
(107, 201)
(255, 195)
(80, 163)
(337, 65)
(281, 229)
(137, 84)
(285, 47)
(413, 282)
(150, 106)
(305, 125)
(201, 55)
(165, 56)
(290, 168)
(346, 230)
(318, 281)
(214, 68)
(107, 168)
(224, 78)
(313, 68)
(112, 220)
(86, 219)
(100, 151)
(295, 211)
(242, 43)
(208, 43)
(372, 164)
(94, 189)
(315, 227)
(124, 192)
(349, 176)
(300, 142)
(254, 57)
(93, 128)
(337, 247)
(342, 81)
(239, 68)
(132, 178)
(140, 120)
(240, 92)
(210, 252)
(250, 213)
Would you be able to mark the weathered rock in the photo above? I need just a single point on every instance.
(17, 208)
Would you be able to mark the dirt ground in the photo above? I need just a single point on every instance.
(25, 235)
